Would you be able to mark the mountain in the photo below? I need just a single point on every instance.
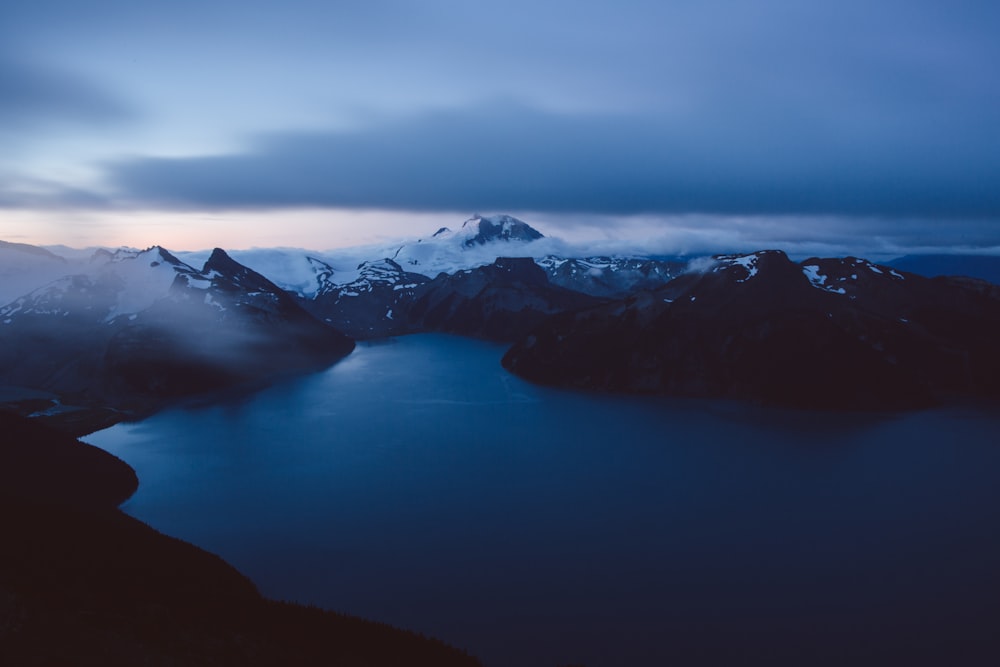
(612, 277)
(984, 267)
(373, 305)
(482, 230)
(376, 297)
(143, 327)
(24, 267)
(55, 337)
(823, 333)
(222, 326)
(500, 301)
(478, 242)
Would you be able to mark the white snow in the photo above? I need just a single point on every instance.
(818, 280)
(198, 282)
(748, 262)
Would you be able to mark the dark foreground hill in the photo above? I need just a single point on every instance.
(81, 583)
(823, 333)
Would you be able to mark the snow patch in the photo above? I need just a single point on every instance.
(748, 262)
(818, 280)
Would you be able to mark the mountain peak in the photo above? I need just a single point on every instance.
(485, 229)
(223, 263)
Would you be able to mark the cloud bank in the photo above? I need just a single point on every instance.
(505, 156)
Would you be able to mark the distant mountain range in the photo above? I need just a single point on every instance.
(128, 329)
(984, 267)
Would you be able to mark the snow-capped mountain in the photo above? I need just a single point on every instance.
(143, 325)
(112, 284)
(25, 267)
(478, 242)
(479, 230)
(372, 305)
(366, 292)
(825, 333)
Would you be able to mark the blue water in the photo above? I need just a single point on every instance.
(418, 483)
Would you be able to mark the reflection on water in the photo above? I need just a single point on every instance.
(419, 484)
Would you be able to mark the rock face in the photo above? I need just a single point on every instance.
(825, 333)
(500, 301)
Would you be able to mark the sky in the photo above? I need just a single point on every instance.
(856, 126)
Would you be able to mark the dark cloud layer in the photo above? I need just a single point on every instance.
(509, 157)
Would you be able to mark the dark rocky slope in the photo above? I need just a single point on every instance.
(83, 584)
(824, 333)
(500, 301)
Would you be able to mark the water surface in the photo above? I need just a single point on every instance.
(418, 483)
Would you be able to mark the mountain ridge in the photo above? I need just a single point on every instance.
(824, 333)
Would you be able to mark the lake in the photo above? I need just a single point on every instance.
(418, 483)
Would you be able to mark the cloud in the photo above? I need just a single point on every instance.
(32, 95)
(24, 192)
(505, 156)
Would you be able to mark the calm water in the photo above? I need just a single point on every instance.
(419, 484)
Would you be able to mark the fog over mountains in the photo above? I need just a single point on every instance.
(127, 330)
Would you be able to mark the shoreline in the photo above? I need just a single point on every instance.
(80, 580)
